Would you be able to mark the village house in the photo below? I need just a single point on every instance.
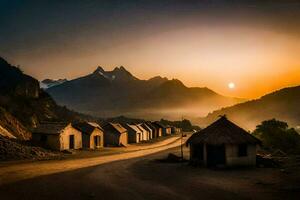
(146, 127)
(159, 128)
(134, 133)
(223, 144)
(92, 135)
(167, 130)
(57, 136)
(115, 134)
(154, 130)
(145, 133)
(175, 130)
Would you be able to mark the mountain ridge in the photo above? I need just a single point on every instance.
(119, 92)
(282, 104)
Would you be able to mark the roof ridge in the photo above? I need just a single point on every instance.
(223, 131)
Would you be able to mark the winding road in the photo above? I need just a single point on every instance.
(140, 174)
(15, 172)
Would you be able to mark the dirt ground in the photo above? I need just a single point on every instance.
(147, 178)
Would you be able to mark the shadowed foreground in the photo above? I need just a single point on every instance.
(146, 178)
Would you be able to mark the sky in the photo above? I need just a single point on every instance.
(254, 44)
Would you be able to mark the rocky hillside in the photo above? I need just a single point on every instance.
(23, 104)
(118, 92)
(14, 83)
(13, 150)
(282, 105)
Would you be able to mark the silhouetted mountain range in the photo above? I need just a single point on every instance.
(118, 92)
(282, 105)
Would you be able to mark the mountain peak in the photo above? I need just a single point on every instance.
(118, 73)
(99, 70)
(3, 61)
(176, 82)
(120, 69)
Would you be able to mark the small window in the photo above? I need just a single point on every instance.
(243, 150)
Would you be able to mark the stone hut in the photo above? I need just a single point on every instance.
(159, 127)
(115, 134)
(134, 133)
(223, 144)
(154, 130)
(146, 127)
(145, 132)
(92, 135)
(167, 130)
(57, 136)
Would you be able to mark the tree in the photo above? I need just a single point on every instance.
(276, 134)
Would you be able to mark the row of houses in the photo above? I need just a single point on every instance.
(88, 135)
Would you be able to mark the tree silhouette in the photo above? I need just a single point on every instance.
(276, 134)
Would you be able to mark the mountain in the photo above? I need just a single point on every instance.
(48, 83)
(282, 105)
(118, 92)
(23, 104)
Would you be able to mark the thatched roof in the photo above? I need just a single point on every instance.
(86, 127)
(50, 128)
(223, 131)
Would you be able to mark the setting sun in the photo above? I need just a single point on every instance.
(231, 85)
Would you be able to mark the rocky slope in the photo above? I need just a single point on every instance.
(23, 104)
(12, 150)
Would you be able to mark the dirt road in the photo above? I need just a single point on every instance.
(20, 171)
(146, 178)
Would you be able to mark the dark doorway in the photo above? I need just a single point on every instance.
(198, 152)
(71, 144)
(43, 138)
(216, 155)
(96, 141)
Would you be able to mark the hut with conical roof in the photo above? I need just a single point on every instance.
(223, 144)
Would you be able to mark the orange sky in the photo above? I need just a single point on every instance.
(257, 61)
(255, 46)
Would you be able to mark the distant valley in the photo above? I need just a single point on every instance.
(118, 92)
